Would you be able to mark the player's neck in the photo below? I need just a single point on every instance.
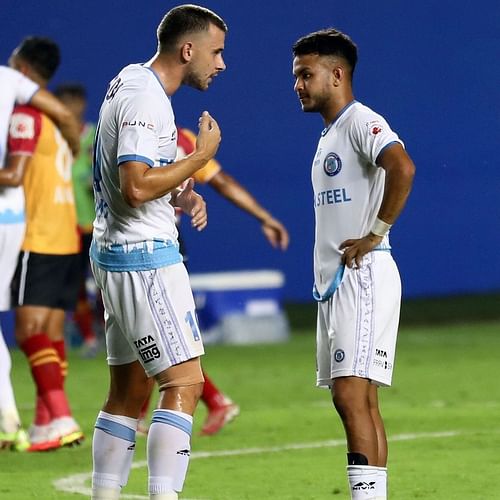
(168, 72)
(335, 107)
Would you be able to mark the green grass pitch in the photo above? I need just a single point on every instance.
(442, 417)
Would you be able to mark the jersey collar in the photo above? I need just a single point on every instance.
(339, 114)
(157, 77)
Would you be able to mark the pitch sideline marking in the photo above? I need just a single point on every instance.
(76, 482)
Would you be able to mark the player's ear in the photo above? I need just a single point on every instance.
(338, 74)
(186, 51)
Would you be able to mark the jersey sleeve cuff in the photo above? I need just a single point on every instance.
(142, 159)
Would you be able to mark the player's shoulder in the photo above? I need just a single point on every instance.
(141, 79)
(139, 84)
(361, 113)
(363, 118)
(9, 75)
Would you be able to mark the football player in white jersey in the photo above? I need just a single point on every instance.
(361, 177)
(15, 87)
(151, 328)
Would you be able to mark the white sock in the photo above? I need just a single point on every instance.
(381, 483)
(362, 482)
(113, 449)
(9, 416)
(105, 494)
(164, 496)
(169, 449)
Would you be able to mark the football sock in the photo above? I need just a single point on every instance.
(60, 348)
(113, 449)
(168, 452)
(9, 416)
(105, 494)
(83, 317)
(42, 413)
(46, 371)
(381, 483)
(362, 481)
(211, 395)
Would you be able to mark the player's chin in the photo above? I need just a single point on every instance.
(203, 85)
(307, 106)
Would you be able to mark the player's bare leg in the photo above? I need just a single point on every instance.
(352, 402)
(379, 426)
(350, 397)
(381, 442)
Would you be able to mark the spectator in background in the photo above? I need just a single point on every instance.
(361, 176)
(74, 96)
(45, 282)
(15, 87)
(221, 409)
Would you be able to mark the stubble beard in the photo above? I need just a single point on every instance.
(195, 81)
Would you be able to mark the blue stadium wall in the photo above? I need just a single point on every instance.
(431, 68)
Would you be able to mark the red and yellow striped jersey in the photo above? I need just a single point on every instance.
(51, 226)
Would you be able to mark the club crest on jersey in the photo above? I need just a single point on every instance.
(332, 164)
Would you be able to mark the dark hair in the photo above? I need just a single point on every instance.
(185, 19)
(75, 90)
(328, 42)
(41, 53)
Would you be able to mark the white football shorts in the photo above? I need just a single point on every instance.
(150, 317)
(358, 326)
(11, 239)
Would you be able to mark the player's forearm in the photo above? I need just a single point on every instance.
(55, 109)
(234, 192)
(141, 184)
(13, 173)
(9, 178)
(398, 185)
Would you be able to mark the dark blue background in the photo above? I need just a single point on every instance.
(431, 68)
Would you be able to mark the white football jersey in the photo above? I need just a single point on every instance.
(14, 87)
(136, 123)
(348, 188)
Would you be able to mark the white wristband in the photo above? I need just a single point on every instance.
(380, 228)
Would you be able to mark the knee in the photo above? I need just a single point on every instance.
(341, 403)
(348, 403)
(28, 327)
(181, 398)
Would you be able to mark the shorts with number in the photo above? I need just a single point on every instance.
(46, 280)
(358, 326)
(11, 238)
(150, 317)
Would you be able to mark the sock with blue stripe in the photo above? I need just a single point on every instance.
(113, 449)
(169, 448)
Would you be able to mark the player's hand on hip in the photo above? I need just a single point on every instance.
(356, 249)
(194, 205)
(276, 233)
(209, 136)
